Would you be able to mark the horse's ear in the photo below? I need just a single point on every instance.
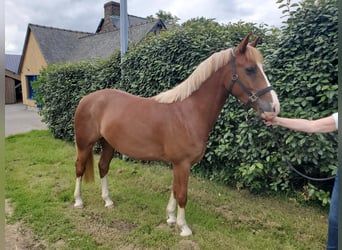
(241, 48)
(255, 42)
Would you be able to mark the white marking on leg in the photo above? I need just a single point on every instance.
(275, 101)
(105, 192)
(181, 222)
(171, 211)
(77, 193)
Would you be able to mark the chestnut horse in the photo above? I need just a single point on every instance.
(173, 126)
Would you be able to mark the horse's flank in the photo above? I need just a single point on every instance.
(201, 74)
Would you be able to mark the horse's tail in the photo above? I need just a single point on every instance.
(89, 169)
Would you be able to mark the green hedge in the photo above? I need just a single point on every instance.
(304, 72)
(60, 87)
(302, 68)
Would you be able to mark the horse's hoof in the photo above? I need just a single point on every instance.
(109, 204)
(171, 221)
(78, 206)
(185, 231)
(170, 224)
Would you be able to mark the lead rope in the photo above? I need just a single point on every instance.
(290, 166)
(294, 169)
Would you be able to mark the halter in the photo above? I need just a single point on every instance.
(252, 97)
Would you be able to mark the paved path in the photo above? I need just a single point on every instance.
(18, 119)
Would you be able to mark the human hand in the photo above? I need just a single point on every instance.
(270, 122)
(268, 116)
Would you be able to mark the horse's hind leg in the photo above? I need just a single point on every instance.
(77, 193)
(84, 165)
(107, 154)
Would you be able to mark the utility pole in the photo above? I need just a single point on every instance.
(123, 28)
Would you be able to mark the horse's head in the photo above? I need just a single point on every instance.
(249, 82)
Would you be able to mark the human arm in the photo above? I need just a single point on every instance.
(323, 125)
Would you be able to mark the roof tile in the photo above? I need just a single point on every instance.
(60, 45)
(12, 62)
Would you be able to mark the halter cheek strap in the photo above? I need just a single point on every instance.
(252, 97)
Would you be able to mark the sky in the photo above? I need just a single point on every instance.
(85, 15)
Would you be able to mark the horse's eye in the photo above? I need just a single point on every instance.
(250, 70)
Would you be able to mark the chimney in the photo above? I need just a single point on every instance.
(110, 9)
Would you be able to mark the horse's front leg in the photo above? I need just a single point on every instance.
(181, 222)
(181, 174)
(171, 210)
(77, 193)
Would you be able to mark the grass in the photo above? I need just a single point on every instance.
(40, 182)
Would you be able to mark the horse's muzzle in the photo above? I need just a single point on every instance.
(266, 109)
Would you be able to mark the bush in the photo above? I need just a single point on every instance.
(304, 72)
(302, 66)
(60, 87)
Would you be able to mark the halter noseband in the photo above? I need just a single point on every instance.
(252, 97)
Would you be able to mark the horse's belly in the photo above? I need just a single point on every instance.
(137, 146)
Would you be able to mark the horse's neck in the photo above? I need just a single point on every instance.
(209, 99)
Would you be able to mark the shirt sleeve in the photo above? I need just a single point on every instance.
(335, 116)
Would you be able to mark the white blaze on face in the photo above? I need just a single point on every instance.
(275, 101)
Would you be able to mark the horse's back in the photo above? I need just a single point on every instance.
(98, 101)
(105, 95)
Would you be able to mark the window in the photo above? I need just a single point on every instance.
(30, 91)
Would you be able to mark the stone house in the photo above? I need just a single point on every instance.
(48, 45)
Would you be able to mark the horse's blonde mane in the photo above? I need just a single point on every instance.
(195, 80)
(202, 73)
